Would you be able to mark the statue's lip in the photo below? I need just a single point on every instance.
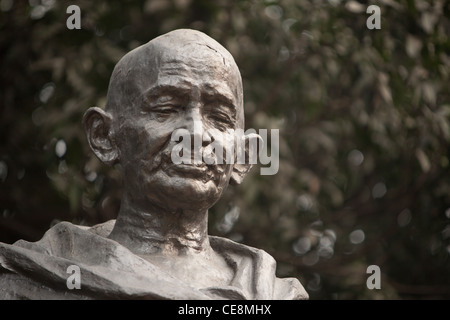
(197, 170)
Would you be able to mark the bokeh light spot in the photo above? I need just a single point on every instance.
(357, 236)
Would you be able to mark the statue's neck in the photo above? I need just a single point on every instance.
(149, 230)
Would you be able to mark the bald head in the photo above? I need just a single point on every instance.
(178, 55)
(183, 81)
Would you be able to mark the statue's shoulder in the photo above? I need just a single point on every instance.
(255, 270)
(102, 229)
(39, 270)
(62, 237)
(229, 247)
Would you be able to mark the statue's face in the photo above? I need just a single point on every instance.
(181, 92)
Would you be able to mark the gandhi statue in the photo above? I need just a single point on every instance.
(158, 247)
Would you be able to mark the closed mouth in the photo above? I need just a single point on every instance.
(190, 167)
(201, 170)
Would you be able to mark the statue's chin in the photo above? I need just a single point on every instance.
(173, 192)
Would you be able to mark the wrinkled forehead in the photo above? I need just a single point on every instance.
(196, 65)
(184, 57)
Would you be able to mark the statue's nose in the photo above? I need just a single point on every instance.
(194, 122)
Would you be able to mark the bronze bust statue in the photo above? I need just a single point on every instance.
(159, 247)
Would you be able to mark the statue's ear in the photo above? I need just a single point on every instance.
(97, 125)
(241, 168)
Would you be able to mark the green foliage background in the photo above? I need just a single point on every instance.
(364, 119)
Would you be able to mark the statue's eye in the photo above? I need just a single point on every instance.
(220, 111)
(221, 117)
(162, 106)
(221, 120)
(165, 111)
